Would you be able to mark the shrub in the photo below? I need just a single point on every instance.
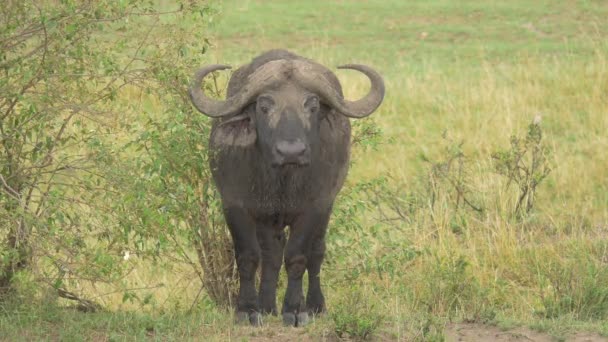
(524, 164)
(355, 315)
(75, 76)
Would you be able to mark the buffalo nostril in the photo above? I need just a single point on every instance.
(291, 148)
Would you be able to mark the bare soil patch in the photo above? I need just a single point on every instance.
(488, 333)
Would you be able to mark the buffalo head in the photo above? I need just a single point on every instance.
(280, 106)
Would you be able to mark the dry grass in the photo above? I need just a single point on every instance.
(550, 268)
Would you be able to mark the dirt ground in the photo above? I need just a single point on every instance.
(485, 333)
(454, 332)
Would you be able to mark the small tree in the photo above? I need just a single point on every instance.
(74, 74)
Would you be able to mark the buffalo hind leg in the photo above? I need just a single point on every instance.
(272, 242)
(297, 254)
(247, 253)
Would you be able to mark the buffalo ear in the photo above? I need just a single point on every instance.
(238, 131)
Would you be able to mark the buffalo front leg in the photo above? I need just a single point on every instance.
(297, 257)
(315, 302)
(247, 253)
(272, 242)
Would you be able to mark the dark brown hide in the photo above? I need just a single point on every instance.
(280, 150)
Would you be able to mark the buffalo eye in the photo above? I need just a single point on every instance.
(312, 104)
(264, 104)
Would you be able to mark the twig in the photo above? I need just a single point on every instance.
(84, 305)
(200, 290)
(12, 192)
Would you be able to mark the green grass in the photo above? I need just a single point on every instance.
(411, 34)
(51, 322)
(473, 71)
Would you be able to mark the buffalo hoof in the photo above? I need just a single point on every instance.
(295, 320)
(252, 318)
(316, 309)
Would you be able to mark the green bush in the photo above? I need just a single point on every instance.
(525, 164)
(355, 315)
(574, 287)
(75, 75)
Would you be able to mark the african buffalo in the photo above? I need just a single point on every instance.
(279, 154)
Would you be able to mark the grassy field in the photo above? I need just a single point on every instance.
(462, 77)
